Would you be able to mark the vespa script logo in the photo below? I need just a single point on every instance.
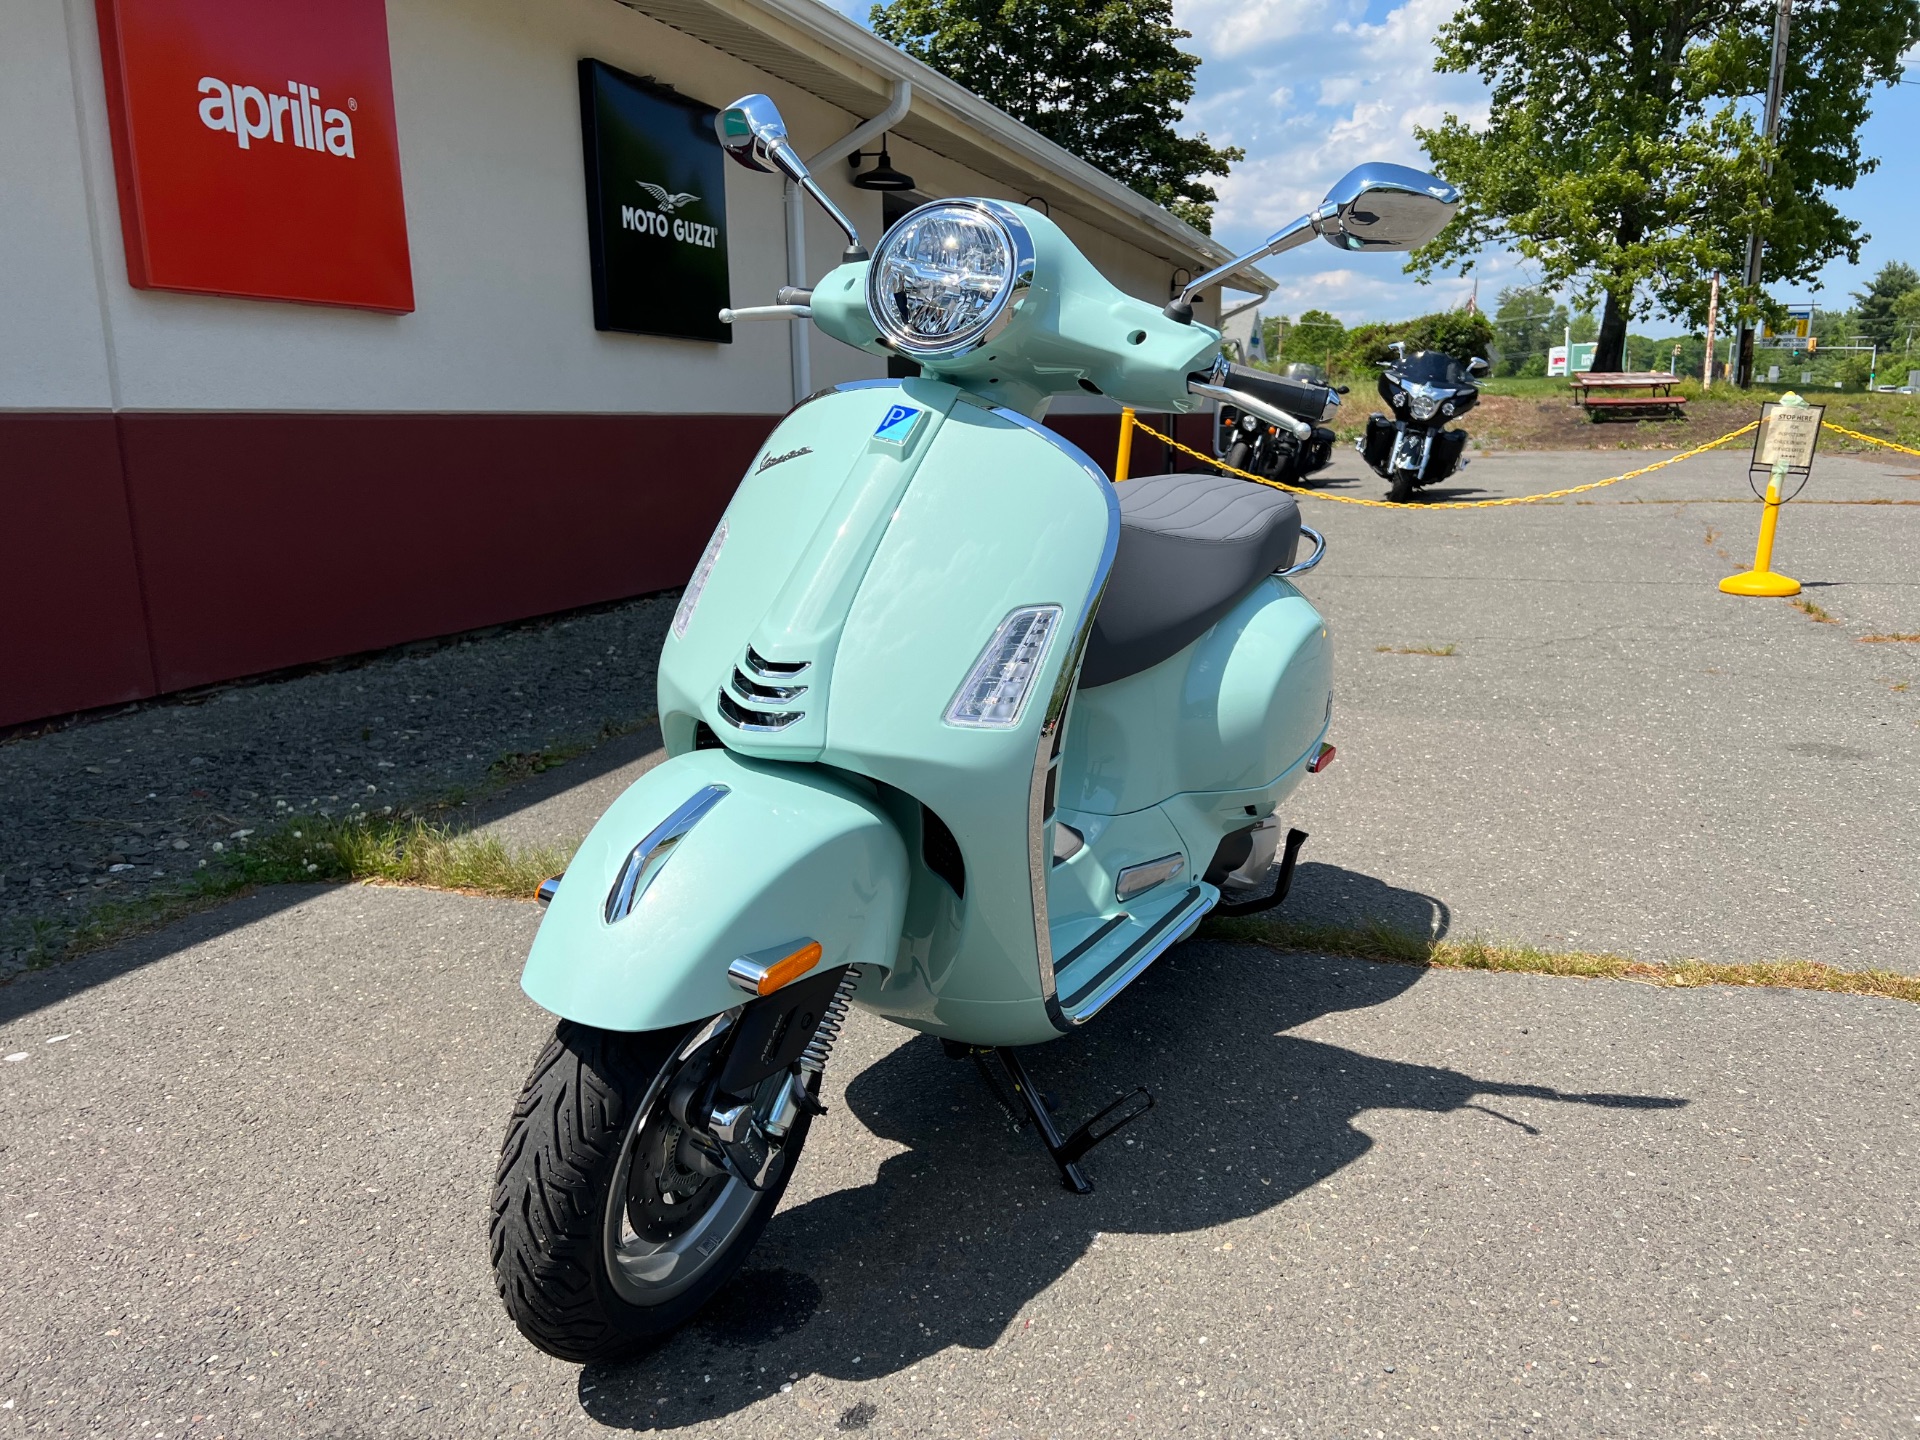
(662, 220)
(249, 113)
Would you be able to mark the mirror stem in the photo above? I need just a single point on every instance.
(1289, 238)
(855, 250)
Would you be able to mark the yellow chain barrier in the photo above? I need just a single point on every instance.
(1871, 440)
(1129, 422)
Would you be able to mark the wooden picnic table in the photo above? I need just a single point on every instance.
(1627, 394)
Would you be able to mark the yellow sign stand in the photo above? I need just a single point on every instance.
(1788, 433)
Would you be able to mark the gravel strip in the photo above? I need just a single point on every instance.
(114, 808)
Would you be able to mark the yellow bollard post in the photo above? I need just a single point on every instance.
(1761, 580)
(1124, 459)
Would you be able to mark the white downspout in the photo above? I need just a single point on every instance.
(798, 338)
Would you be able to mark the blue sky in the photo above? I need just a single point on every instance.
(1310, 88)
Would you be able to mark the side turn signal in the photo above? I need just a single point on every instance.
(1320, 761)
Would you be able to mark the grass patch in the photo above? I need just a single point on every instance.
(1814, 612)
(1435, 650)
(398, 850)
(1381, 943)
(376, 849)
(1890, 639)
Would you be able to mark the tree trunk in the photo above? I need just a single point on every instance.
(1612, 339)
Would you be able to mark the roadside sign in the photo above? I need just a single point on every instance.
(1797, 332)
(1568, 360)
(1787, 435)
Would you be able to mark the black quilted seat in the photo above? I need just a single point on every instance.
(1190, 547)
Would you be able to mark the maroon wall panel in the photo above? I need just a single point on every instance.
(1099, 436)
(273, 540)
(71, 632)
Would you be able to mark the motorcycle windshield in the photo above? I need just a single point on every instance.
(1434, 367)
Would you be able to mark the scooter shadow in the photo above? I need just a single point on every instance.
(954, 1236)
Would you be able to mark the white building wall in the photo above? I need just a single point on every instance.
(489, 124)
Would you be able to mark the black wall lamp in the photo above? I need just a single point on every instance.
(883, 176)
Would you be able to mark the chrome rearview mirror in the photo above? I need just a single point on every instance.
(1374, 207)
(1385, 207)
(752, 132)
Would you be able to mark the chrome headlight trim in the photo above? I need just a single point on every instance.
(1425, 399)
(999, 312)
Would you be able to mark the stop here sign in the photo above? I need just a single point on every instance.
(256, 151)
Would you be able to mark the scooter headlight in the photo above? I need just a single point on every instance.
(690, 597)
(948, 277)
(994, 694)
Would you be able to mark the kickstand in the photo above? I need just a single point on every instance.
(1066, 1153)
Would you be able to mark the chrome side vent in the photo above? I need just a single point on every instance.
(759, 722)
(773, 669)
(753, 690)
(758, 691)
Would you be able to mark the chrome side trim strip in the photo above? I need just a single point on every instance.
(757, 722)
(1046, 753)
(644, 861)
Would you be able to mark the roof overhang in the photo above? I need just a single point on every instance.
(824, 53)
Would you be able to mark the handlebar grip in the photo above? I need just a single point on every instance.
(767, 312)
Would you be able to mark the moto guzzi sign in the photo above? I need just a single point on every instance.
(656, 208)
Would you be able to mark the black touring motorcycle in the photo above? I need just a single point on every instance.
(1412, 447)
(1261, 447)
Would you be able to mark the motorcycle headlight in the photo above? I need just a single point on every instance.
(948, 277)
(1425, 399)
(1447, 408)
(1399, 399)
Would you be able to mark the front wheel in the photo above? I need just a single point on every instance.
(611, 1227)
(1402, 486)
(1238, 454)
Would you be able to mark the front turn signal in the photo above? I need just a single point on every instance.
(756, 975)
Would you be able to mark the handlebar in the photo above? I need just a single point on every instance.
(1218, 384)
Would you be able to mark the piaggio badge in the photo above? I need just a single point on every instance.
(898, 426)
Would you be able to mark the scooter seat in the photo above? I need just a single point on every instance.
(1190, 547)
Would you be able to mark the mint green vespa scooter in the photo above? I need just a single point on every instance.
(959, 732)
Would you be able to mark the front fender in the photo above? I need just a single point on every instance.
(790, 853)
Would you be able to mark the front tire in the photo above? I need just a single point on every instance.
(605, 1237)
(1401, 490)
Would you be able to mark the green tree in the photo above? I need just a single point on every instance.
(1313, 339)
(1105, 79)
(1526, 322)
(1874, 306)
(1623, 154)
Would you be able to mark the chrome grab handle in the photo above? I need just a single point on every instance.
(767, 312)
(1319, 549)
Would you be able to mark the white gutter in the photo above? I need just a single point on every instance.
(798, 338)
(837, 33)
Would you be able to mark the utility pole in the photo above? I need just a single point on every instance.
(1713, 319)
(1776, 82)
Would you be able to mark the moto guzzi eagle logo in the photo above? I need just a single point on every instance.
(669, 204)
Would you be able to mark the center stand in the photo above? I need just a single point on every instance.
(1030, 1104)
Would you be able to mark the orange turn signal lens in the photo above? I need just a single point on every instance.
(790, 967)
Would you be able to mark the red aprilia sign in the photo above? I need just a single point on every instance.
(256, 149)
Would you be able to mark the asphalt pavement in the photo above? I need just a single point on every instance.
(244, 1171)
(246, 1196)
